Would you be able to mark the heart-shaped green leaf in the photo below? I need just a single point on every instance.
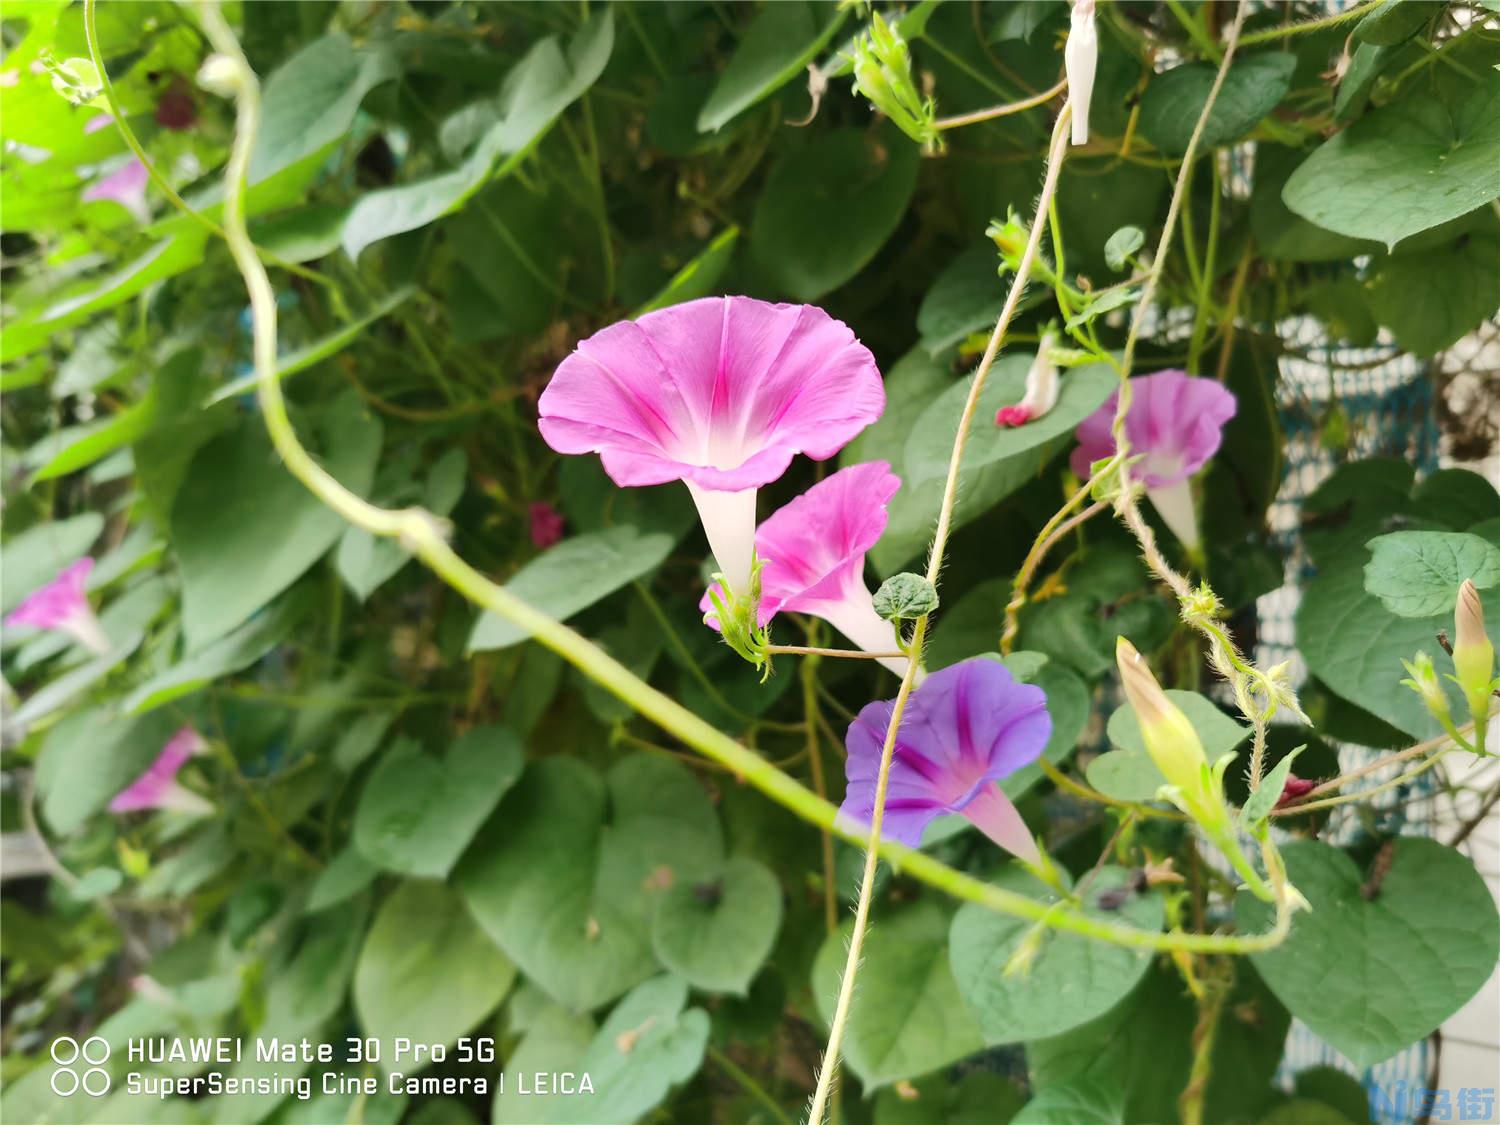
(418, 813)
(567, 876)
(1418, 573)
(1071, 980)
(717, 934)
(1370, 968)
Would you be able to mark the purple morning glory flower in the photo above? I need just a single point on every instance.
(158, 787)
(1177, 420)
(967, 727)
(62, 605)
(720, 393)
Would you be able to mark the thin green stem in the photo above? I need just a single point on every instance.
(1273, 33)
(748, 1084)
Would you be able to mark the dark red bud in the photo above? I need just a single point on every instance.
(1295, 787)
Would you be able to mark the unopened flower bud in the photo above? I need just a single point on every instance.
(220, 75)
(1041, 389)
(1081, 58)
(882, 73)
(1473, 653)
(1170, 739)
(1423, 679)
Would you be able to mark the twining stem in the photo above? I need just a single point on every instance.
(1005, 110)
(829, 1069)
(1273, 33)
(1190, 1102)
(422, 533)
(844, 653)
(1365, 770)
(96, 56)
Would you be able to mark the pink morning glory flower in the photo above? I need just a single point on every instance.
(158, 787)
(1177, 421)
(812, 553)
(720, 393)
(61, 605)
(126, 185)
(965, 728)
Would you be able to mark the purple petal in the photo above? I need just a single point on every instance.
(722, 391)
(1177, 420)
(965, 728)
(993, 814)
(126, 186)
(58, 601)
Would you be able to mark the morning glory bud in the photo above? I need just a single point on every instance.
(1041, 388)
(882, 73)
(1424, 681)
(1081, 57)
(1473, 654)
(1170, 739)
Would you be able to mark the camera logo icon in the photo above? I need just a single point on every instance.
(69, 1054)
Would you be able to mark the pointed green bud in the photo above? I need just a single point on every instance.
(1423, 679)
(1170, 739)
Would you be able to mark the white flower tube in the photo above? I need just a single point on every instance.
(1081, 58)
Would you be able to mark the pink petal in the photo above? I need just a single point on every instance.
(993, 814)
(1177, 420)
(58, 602)
(721, 391)
(158, 785)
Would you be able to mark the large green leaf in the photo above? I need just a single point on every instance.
(536, 91)
(232, 652)
(1174, 101)
(1281, 233)
(426, 972)
(566, 877)
(1071, 980)
(555, 1042)
(1083, 1101)
(1373, 969)
(828, 207)
(311, 99)
(717, 934)
(1431, 299)
(1418, 573)
(978, 1098)
(306, 989)
(776, 48)
(909, 1017)
(572, 576)
(698, 277)
(245, 529)
(417, 814)
(1411, 165)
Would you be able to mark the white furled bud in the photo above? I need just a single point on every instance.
(1081, 58)
(220, 75)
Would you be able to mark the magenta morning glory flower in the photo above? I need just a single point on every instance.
(158, 787)
(61, 605)
(719, 393)
(967, 727)
(812, 553)
(126, 185)
(1177, 421)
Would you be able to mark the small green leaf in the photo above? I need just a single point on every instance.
(572, 576)
(1393, 22)
(426, 972)
(1265, 798)
(905, 597)
(776, 49)
(346, 875)
(417, 815)
(1122, 245)
(1418, 573)
(647, 1045)
(1172, 104)
(698, 277)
